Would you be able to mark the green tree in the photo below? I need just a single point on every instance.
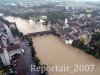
(55, 16)
(33, 51)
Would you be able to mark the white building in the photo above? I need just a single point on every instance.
(66, 24)
(69, 42)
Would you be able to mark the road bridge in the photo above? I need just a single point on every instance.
(40, 33)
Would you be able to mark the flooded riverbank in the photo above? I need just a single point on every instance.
(27, 26)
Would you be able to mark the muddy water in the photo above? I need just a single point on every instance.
(27, 26)
(52, 51)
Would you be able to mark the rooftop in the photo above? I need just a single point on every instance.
(19, 64)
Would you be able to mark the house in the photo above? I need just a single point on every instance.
(66, 23)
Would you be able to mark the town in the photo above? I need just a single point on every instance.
(77, 27)
(16, 51)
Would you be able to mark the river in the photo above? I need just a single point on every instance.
(52, 51)
(27, 26)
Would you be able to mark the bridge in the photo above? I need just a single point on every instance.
(40, 33)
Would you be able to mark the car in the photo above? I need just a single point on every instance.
(22, 50)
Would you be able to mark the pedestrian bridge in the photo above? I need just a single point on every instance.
(40, 33)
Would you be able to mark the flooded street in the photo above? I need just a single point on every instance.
(52, 51)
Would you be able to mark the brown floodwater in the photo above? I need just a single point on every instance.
(27, 26)
(53, 51)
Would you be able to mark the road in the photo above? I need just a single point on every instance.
(27, 54)
(28, 57)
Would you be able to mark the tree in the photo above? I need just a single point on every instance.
(96, 36)
(29, 40)
(20, 34)
(33, 51)
(44, 69)
(55, 16)
(2, 70)
(97, 54)
(37, 60)
(97, 45)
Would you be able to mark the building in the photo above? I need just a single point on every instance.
(66, 23)
(7, 50)
(11, 53)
